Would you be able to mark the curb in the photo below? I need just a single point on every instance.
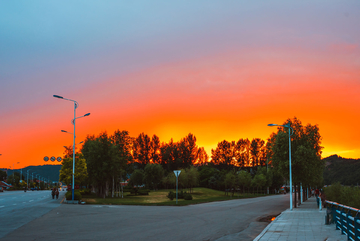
(267, 227)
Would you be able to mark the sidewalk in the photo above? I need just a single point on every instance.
(306, 222)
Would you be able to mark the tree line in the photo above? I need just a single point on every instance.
(106, 160)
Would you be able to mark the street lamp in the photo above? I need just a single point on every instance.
(13, 172)
(290, 133)
(73, 122)
(38, 178)
(27, 179)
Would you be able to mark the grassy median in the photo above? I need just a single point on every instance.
(158, 198)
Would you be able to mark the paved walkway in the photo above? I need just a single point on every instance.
(306, 222)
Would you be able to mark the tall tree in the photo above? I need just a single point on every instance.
(257, 151)
(106, 158)
(155, 150)
(202, 157)
(3, 175)
(223, 155)
(244, 179)
(188, 150)
(153, 174)
(80, 170)
(307, 165)
(142, 150)
(242, 152)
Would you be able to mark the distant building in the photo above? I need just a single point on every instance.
(4, 185)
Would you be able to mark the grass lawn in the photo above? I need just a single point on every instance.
(200, 195)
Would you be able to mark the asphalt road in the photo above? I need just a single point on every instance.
(18, 208)
(227, 220)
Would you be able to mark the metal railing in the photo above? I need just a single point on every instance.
(346, 219)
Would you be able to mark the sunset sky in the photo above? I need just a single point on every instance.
(221, 70)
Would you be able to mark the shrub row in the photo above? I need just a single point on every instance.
(349, 196)
(137, 191)
(181, 195)
(85, 191)
(77, 195)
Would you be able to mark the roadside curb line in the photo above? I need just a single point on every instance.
(267, 227)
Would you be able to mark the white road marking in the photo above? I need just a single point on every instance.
(14, 204)
(2, 206)
(31, 200)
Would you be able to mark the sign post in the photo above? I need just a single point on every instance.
(177, 173)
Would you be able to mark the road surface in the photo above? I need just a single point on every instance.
(226, 220)
(18, 208)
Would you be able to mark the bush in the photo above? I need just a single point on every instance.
(187, 196)
(143, 191)
(181, 194)
(345, 195)
(77, 195)
(85, 191)
(171, 195)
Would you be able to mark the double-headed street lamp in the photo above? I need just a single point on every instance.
(73, 122)
(291, 131)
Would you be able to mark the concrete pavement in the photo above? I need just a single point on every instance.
(306, 222)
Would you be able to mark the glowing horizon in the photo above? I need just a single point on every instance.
(218, 71)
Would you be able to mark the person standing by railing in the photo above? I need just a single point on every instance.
(317, 192)
(323, 198)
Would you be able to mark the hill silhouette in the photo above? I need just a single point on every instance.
(50, 172)
(343, 170)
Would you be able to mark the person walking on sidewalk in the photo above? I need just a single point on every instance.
(53, 193)
(57, 193)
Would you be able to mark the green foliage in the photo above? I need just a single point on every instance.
(85, 191)
(169, 181)
(3, 175)
(77, 195)
(67, 169)
(205, 173)
(343, 170)
(349, 196)
(171, 195)
(188, 178)
(188, 196)
(137, 178)
(153, 174)
(259, 181)
(136, 190)
(307, 166)
(106, 159)
(181, 194)
(142, 191)
(244, 179)
(230, 181)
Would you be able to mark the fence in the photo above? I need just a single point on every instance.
(346, 219)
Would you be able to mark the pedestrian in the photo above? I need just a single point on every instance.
(57, 193)
(323, 198)
(317, 193)
(53, 193)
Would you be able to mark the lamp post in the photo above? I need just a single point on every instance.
(13, 173)
(290, 133)
(27, 179)
(73, 122)
(37, 178)
(32, 177)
